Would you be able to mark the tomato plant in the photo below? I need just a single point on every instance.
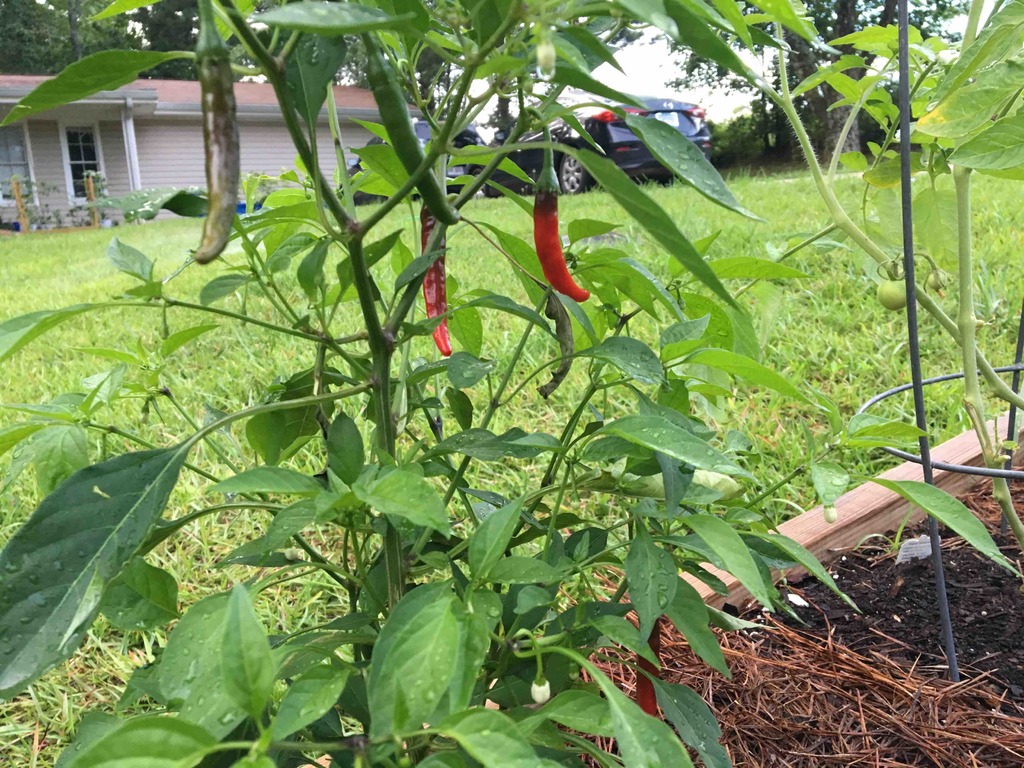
(468, 575)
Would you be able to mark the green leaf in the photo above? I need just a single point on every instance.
(935, 223)
(330, 19)
(309, 698)
(686, 27)
(1000, 38)
(642, 741)
(652, 577)
(799, 554)
(189, 676)
(492, 537)
(751, 268)
(494, 740)
(467, 328)
(221, 286)
(145, 204)
(405, 494)
(652, 218)
(869, 431)
(574, 78)
(580, 229)
(694, 722)
(686, 160)
(971, 106)
(19, 331)
(289, 521)
(310, 71)
(93, 726)
(54, 569)
(505, 304)
(15, 433)
(830, 481)
(458, 401)
(103, 71)
(141, 597)
(473, 644)
(345, 454)
(689, 614)
(465, 371)
(153, 741)
(994, 149)
(788, 15)
(580, 710)
(660, 434)
(952, 513)
(484, 445)
(310, 274)
(269, 480)
(631, 356)
(57, 453)
(178, 339)
(130, 260)
(245, 658)
(118, 7)
(517, 569)
(723, 540)
(747, 369)
(413, 660)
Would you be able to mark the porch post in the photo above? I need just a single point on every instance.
(130, 149)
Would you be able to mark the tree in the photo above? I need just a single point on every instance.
(833, 19)
(33, 42)
(170, 26)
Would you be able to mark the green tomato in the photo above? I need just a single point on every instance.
(892, 295)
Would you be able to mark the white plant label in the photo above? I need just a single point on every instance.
(914, 549)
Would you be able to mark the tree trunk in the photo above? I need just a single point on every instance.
(76, 40)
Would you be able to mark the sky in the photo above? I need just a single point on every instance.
(648, 65)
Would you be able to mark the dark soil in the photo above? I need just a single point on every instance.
(900, 616)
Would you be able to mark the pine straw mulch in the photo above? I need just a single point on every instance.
(798, 701)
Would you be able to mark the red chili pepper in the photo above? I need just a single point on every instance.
(435, 292)
(645, 695)
(545, 231)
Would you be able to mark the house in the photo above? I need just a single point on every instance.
(147, 135)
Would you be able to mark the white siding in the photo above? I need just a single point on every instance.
(170, 152)
(48, 168)
(48, 165)
(171, 149)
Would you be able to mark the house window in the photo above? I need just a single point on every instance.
(83, 157)
(13, 161)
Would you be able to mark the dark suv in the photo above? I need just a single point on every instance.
(610, 132)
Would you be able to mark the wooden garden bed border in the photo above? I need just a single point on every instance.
(865, 510)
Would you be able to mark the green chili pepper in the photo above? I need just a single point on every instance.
(220, 136)
(394, 114)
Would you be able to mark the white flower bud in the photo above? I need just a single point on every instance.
(540, 692)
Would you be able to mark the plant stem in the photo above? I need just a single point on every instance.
(966, 320)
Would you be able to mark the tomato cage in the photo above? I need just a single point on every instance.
(918, 383)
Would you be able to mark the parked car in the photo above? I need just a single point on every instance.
(468, 137)
(609, 131)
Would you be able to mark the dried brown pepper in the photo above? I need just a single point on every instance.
(220, 136)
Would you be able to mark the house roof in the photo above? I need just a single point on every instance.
(178, 96)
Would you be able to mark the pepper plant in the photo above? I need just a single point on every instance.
(473, 580)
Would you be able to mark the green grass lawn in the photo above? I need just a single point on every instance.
(827, 331)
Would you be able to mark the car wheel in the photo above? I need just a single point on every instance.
(573, 177)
